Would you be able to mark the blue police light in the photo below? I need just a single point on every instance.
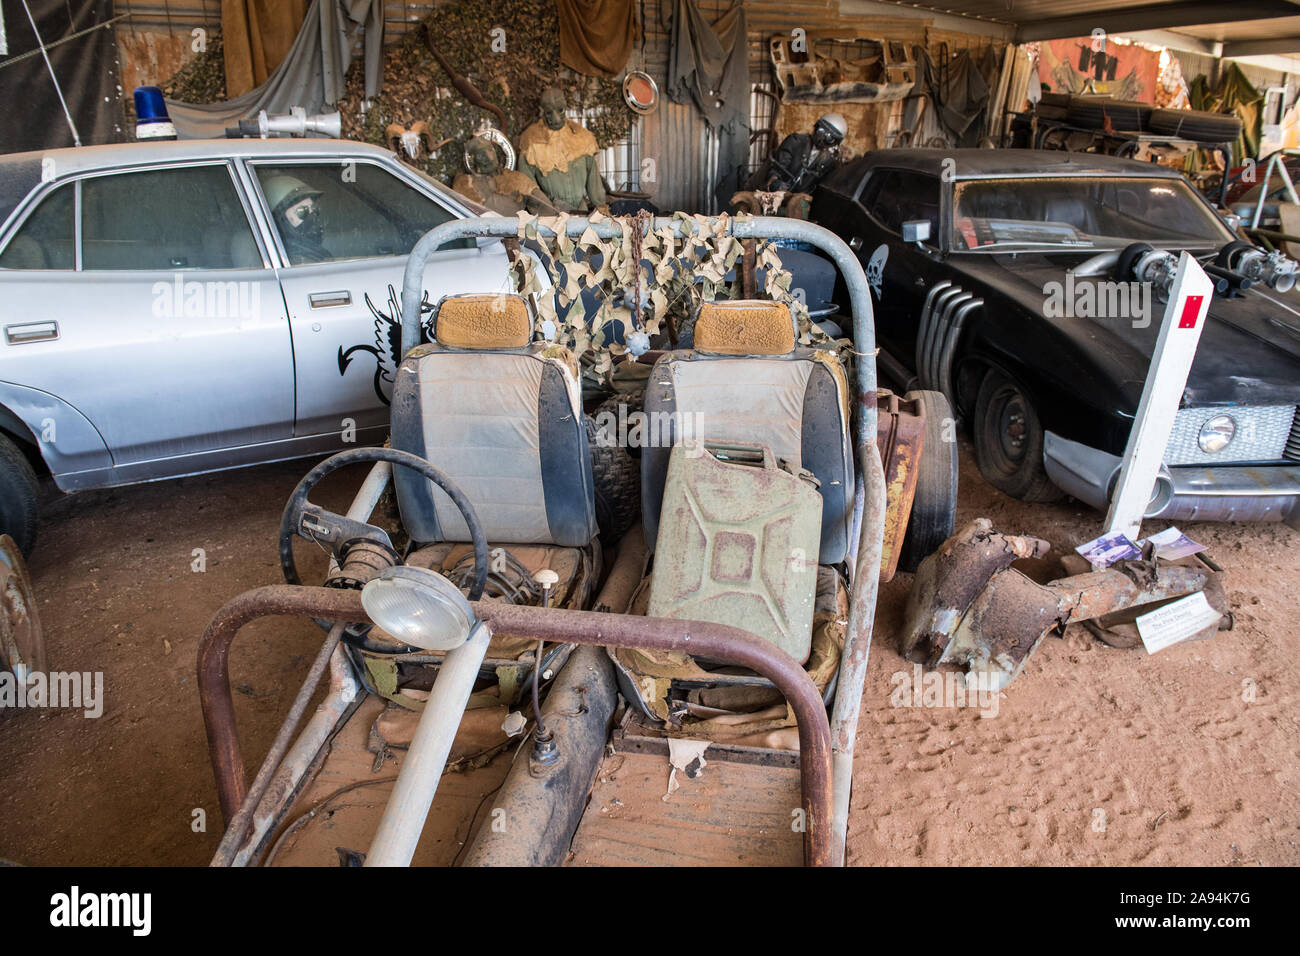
(151, 119)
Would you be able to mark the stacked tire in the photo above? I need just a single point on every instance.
(1104, 112)
(1198, 125)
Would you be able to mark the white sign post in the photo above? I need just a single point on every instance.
(1180, 332)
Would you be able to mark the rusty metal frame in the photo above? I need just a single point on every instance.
(870, 495)
(716, 641)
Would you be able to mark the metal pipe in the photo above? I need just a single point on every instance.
(949, 350)
(940, 336)
(857, 645)
(371, 490)
(422, 768)
(870, 536)
(214, 669)
(238, 825)
(758, 227)
(541, 813)
(720, 642)
(927, 321)
(344, 691)
(367, 497)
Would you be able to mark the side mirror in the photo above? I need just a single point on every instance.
(1231, 219)
(916, 230)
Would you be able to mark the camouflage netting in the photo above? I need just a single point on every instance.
(417, 88)
(675, 274)
(203, 78)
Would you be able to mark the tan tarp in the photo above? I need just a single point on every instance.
(596, 36)
(256, 35)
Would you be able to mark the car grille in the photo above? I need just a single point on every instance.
(1264, 433)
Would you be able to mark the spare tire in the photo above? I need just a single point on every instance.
(615, 472)
(1198, 125)
(934, 507)
(1093, 112)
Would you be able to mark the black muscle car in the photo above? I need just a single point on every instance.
(1029, 287)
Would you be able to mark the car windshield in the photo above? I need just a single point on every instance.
(1081, 213)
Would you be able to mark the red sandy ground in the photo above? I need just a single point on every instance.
(1095, 756)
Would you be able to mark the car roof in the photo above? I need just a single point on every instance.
(21, 172)
(982, 163)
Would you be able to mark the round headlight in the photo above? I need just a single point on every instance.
(418, 607)
(1216, 433)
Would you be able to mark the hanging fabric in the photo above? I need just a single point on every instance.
(312, 75)
(708, 64)
(596, 36)
(256, 35)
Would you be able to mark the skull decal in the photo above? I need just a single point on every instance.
(876, 269)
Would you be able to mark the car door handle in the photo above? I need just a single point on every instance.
(31, 332)
(328, 300)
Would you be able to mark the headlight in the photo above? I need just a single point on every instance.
(418, 607)
(1216, 433)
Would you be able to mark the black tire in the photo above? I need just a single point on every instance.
(1009, 441)
(616, 480)
(934, 508)
(1202, 126)
(18, 492)
(1093, 112)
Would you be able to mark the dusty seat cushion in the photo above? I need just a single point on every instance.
(793, 404)
(507, 428)
(487, 321)
(745, 327)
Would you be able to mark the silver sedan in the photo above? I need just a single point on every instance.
(172, 308)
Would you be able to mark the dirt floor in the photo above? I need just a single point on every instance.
(1095, 755)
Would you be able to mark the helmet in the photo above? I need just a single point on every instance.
(283, 191)
(833, 127)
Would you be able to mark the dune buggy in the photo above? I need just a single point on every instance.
(500, 629)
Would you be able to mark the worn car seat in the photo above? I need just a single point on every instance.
(502, 416)
(745, 381)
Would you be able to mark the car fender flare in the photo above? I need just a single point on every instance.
(77, 444)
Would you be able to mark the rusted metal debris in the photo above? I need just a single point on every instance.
(900, 437)
(718, 642)
(969, 607)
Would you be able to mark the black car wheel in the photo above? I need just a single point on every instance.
(934, 508)
(1009, 441)
(18, 489)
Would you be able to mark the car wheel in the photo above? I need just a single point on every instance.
(18, 490)
(1009, 441)
(616, 475)
(934, 507)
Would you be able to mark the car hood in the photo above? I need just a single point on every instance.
(1249, 352)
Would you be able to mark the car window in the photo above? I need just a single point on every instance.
(165, 219)
(47, 239)
(325, 212)
(1082, 212)
(897, 196)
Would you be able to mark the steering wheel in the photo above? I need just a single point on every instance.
(309, 521)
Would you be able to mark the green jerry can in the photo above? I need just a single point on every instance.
(739, 534)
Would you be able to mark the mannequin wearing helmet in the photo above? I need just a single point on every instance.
(802, 161)
(295, 207)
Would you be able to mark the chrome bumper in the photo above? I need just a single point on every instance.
(1185, 493)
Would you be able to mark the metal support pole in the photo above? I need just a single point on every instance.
(417, 783)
